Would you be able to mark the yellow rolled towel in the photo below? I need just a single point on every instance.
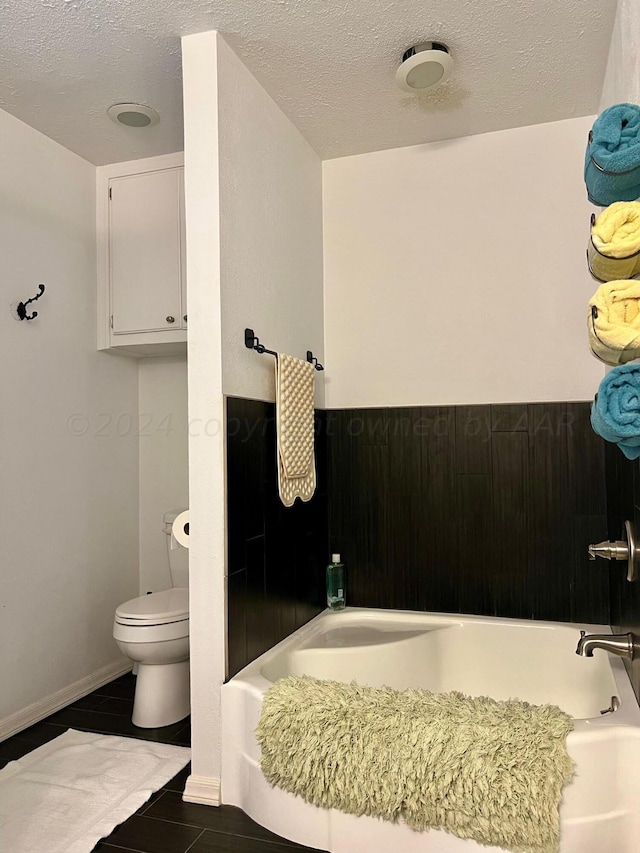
(614, 251)
(613, 320)
(616, 232)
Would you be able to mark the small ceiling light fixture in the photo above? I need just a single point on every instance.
(424, 66)
(133, 115)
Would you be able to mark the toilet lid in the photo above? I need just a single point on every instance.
(170, 605)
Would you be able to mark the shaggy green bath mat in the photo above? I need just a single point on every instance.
(478, 768)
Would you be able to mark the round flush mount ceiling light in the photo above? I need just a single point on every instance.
(424, 66)
(133, 115)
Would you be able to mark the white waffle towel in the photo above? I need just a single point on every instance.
(294, 427)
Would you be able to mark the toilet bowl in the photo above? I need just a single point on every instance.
(153, 631)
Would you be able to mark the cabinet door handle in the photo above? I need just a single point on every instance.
(171, 319)
(185, 318)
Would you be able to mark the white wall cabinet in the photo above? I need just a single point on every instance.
(142, 307)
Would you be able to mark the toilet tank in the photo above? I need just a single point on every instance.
(178, 556)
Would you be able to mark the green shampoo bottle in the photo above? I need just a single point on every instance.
(336, 598)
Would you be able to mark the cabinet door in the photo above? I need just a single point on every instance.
(145, 252)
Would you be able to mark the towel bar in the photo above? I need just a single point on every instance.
(252, 341)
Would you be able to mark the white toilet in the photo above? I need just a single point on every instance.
(153, 630)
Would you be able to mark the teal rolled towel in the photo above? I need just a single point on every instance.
(615, 413)
(612, 161)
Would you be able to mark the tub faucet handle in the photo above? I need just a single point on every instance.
(619, 550)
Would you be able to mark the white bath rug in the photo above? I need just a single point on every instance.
(68, 794)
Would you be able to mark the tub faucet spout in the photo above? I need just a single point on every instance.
(623, 645)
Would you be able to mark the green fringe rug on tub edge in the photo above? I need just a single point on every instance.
(475, 767)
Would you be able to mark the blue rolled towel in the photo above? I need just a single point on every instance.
(615, 413)
(612, 161)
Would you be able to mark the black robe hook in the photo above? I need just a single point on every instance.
(21, 309)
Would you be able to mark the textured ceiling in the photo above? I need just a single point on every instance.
(330, 64)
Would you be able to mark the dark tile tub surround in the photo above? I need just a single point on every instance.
(276, 555)
(623, 502)
(470, 509)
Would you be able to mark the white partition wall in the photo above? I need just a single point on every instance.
(253, 190)
(271, 234)
(206, 414)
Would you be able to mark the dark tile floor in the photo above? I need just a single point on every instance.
(165, 824)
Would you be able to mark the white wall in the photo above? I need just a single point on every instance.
(253, 191)
(622, 81)
(206, 413)
(164, 462)
(270, 231)
(69, 480)
(455, 272)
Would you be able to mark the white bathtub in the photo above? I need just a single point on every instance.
(500, 658)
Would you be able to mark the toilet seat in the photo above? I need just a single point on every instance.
(158, 608)
(128, 632)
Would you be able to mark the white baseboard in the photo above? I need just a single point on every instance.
(202, 789)
(44, 707)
